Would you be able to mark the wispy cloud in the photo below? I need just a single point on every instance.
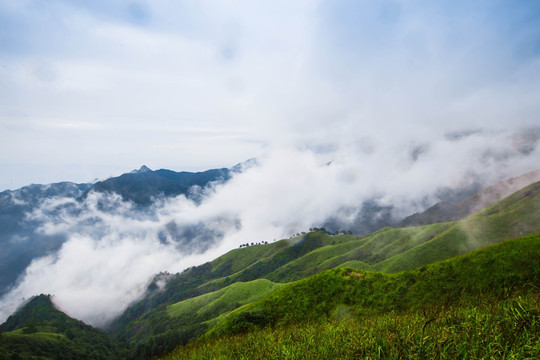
(400, 99)
(287, 74)
(114, 248)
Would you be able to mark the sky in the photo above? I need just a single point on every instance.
(95, 89)
(341, 102)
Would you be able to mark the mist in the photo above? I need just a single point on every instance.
(114, 247)
(359, 113)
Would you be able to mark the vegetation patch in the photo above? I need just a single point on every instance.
(489, 330)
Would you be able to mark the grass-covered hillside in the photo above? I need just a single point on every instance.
(153, 326)
(414, 292)
(214, 305)
(499, 330)
(40, 331)
(453, 211)
(484, 304)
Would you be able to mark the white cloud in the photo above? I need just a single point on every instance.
(114, 249)
(284, 73)
(366, 86)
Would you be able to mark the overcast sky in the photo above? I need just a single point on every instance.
(342, 102)
(90, 89)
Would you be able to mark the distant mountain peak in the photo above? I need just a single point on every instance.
(143, 169)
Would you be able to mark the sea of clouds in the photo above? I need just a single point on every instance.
(114, 248)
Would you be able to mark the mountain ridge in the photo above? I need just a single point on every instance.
(144, 184)
(389, 250)
(225, 286)
(479, 305)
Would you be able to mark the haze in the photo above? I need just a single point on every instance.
(94, 89)
(341, 102)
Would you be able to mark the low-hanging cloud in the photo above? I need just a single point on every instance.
(114, 247)
(359, 113)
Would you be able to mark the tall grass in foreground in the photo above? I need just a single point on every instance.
(507, 329)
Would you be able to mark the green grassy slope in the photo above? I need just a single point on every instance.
(239, 259)
(185, 320)
(506, 329)
(491, 272)
(147, 328)
(222, 301)
(514, 216)
(388, 250)
(485, 304)
(453, 211)
(141, 321)
(39, 309)
(368, 249)
(185, 285)
(39, 330)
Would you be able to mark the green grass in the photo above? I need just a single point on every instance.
(368, 249)
(136, 324)
(514, 216)
(485, 304)
(218, 302)
(494, 271)
(186, 320)
(297, 259)
(239, 259)
(294, 249)
(52, 344)
(506, 329)
(357, 265)
(40, 331)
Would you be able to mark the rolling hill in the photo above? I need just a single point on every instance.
(484, 304)
(293, 287)
(146, 325)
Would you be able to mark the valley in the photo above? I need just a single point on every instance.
(413, 288)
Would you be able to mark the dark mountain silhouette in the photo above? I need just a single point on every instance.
(142, 185)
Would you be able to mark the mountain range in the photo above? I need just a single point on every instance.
(480, 252)
(266, 267)
(20, 238)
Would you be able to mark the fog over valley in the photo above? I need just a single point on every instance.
(109, 248)
(347, 115)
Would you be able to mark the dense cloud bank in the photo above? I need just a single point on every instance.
(199, 85)
(114, 247)
(358, 112)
